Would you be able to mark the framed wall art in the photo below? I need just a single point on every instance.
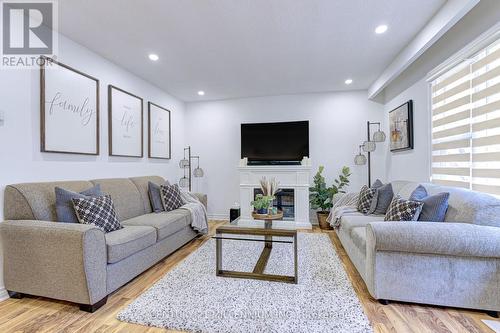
(401, 127)
(69, 110)
(125, 122)
(159, 136)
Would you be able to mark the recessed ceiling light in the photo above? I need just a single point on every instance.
(153, 57)
(381, 29)
(348, 81)
(201, 93)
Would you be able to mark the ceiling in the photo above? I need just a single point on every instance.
(245, 48)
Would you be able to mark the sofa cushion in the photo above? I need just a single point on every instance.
(129, 240)
(36, 201)
(419, 194)
(154, 192)
(351, 221)
(404, 188)
(469, 206)
(126, 197)
(382, 199)
(97, 211)
(403, 210)
(365, 199)
(142, 186)
(171, 197)
(435, 207)
(64, 206)
(165, 223)
(358, 236)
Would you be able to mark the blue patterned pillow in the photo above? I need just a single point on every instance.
(97, 211)
(403, 210)
(64, 206)
(171, 197)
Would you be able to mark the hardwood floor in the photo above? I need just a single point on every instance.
(43, 315)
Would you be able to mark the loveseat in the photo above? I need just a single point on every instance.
(79, 262)
(454, 263)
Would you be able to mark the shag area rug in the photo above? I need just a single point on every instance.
(192, 298)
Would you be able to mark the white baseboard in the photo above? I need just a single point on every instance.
(223, 217)
(493, 324)
(3, 294)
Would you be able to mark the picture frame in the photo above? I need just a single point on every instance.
(69, 110)
(401, 127)
(125, 123)
(159, 132)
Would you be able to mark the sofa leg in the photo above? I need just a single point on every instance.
(15, 294)
(93, 307)
(383, 301)
(493, 314)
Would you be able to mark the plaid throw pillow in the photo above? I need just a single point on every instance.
(171, 197)
(403, 210)
(98, 211)
(365, 199)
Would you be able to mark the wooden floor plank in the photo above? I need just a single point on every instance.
(36, 314)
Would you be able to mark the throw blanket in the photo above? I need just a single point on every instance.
(198, 212)
(343, 203)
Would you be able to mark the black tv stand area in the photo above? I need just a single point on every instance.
(273, 163)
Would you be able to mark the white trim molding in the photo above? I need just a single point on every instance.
(451, 12)
(466, 52)
(4, 295)
(220, 217)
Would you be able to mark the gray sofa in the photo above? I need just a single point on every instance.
(78, 262)
(454, 263)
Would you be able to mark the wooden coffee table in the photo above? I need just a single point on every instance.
(233, 232)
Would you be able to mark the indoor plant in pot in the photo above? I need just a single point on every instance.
(320, 195)
(261, 203)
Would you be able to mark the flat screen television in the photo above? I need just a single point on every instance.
(275, 143)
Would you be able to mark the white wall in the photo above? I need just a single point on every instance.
(411, 84)
(412, 164)
(20, 157)
(337, 126)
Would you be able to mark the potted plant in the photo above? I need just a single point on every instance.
(261, 203)
(320, 195)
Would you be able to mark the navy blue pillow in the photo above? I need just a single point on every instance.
(155, 196)
(382, 200)
(418, 194)
(64, 205)
(435, 207)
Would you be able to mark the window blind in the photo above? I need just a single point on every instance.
(466, 123)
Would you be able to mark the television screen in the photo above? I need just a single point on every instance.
(283, 143)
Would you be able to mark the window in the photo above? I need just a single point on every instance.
(466, 123)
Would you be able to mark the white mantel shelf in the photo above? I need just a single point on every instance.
(296, 177)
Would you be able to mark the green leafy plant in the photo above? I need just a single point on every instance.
(262, 201)
(320, 195)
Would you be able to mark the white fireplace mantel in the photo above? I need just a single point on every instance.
(294, 177)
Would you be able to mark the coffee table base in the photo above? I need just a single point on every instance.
(260, 266)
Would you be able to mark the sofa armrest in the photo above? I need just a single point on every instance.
(202, 197)
(444, 238)
(65, 261)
